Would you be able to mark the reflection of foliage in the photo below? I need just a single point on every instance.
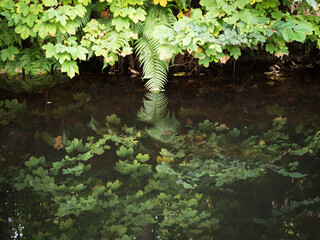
(154, 111)
(293, 219)
(154, 107)
(76, 196)
(30, 84)
(9, 110)
(166, 129)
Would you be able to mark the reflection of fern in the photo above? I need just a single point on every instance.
(147, 48)
(154, 107)
(165, 130)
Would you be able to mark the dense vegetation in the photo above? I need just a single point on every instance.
(165, 176)
(39, 37)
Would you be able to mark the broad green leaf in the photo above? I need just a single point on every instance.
(22, 8)
(298, 36)
(84, 2)
(30, 20)
(287, 35)
(70, 67)
(50, 3)
(165, 168)
(142, 158)
(303, 28)
(50, 50)
(36, 9)
(24, 31)
(205, 61)
(235, 52)
(62, 19)
(120, 23)
(312, 3)
(138, 15)
(8, 53)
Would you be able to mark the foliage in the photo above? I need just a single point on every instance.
(108, 187)
(63, 32)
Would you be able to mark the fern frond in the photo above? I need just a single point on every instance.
(154, 107)
(154, 69)
(34, 62)
(8, 36)
(147, 47)
(166, 130)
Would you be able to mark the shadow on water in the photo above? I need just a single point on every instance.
(213, 157)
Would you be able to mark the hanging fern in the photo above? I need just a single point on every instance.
(147, 48)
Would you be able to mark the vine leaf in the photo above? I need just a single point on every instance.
(120, 23)
(50, 3)
(70, 67)
(8, 53)
(162, 3)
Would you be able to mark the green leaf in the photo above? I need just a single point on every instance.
(287, 35)
(235, 52)
(312, 3)
(298, 36)
(23, 30)
(8, 53)
(303, 28)
(22, 8)
(70, 67)
(205, 61)
(50, 50)
(120, 23)
(50, 3)
(30, 20)
(85, 2)
(36, 9)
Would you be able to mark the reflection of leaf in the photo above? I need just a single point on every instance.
(96, 126)
(274, 110)
(113, 119)
(185, 112)
(165, 168)
(125, 152)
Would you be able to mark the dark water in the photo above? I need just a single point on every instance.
(204, 179)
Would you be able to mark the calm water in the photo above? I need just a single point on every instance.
(218, 167)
